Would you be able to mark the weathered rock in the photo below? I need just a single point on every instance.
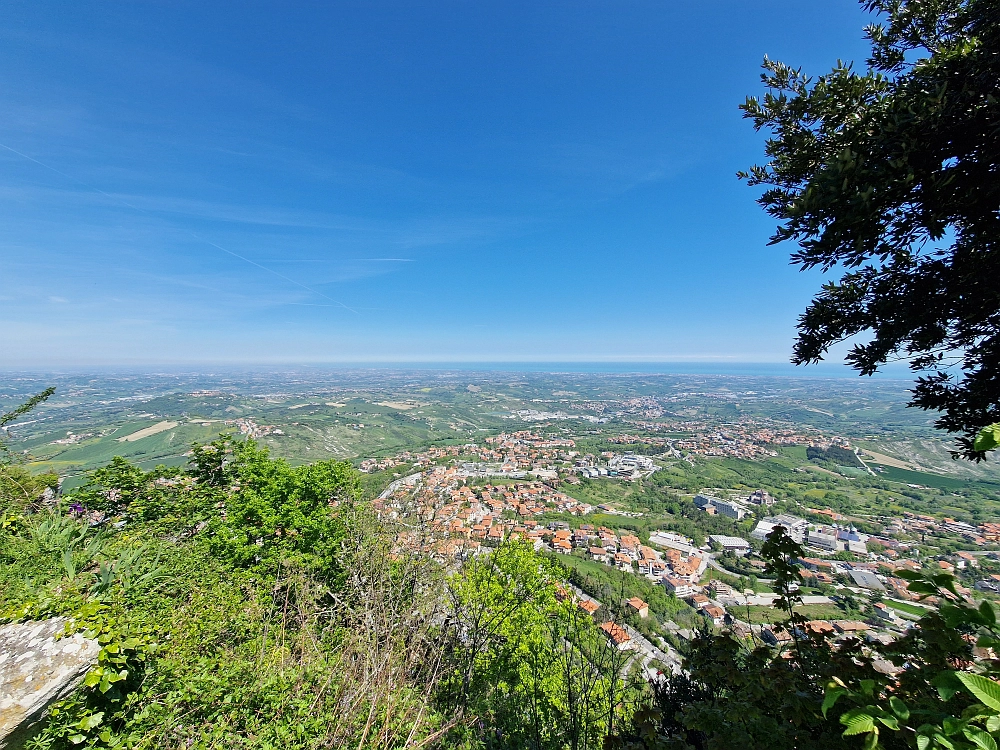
(37, 668)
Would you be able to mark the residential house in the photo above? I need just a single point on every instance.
(716, 614)
(698, 601)
(638, 606)
(850, 627)
(885, 613)
(562, 546)
(776, 636)
(679, 587)
(618, 637)
(598, 553)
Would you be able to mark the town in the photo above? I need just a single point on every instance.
(481, 498)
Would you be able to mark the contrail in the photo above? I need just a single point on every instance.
(196, 236)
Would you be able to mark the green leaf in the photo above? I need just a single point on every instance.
(833, 693)
(988, 613)
(923, 742)
(985, 689)
(899, 708)
(89, 722)
(857, 721)
(93, 677)
(76, 739)
(947, 684)
(890, 721)
(871, 741)
(988, 438)
(951, 725)
(980, 738)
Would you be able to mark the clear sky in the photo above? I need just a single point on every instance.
(404, 181)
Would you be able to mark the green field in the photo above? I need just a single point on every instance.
(924, 479)
(761, 615)
(911, 609)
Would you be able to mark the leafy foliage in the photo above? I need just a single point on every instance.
(892, 174)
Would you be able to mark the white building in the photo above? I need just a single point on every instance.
(722, 507)
(730, 543)
(679, 587)
(795, 527)
(822, 541)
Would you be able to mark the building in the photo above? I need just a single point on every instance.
(853, 541)
(730, 544)
(598, 553)
(679, 587)
(617, 635)
(822, 541)
(760, 497)
(884, 613)
(623, 561)
(638, 606)
(795, 527)
(776, 636)
(698, 601)
(721, 507)
(850, 627)
(589, 606)
(866, 580)
(672, 541)
(819, 627)
(716, 614)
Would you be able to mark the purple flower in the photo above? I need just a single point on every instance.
(76, 509)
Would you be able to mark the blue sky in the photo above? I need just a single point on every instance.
(268, 182)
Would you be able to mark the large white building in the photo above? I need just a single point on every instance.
(795, 527)
(722, 507)
(730, 543)
(822, 541)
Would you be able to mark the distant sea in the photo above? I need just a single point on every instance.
(759, 369)
(896, 371)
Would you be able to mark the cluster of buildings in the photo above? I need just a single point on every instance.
(828, 538)
(459, 518)
(516, 454)
(628, 466)
(748, 439)
(917, 525)
(72, 438)
(735, 506)
(507, 454)
(251, 429)
(418, 459)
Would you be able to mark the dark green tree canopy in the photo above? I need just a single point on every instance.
(893, 176)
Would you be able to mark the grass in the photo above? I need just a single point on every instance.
(912, 609)
(761, 614)
(937, 481)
